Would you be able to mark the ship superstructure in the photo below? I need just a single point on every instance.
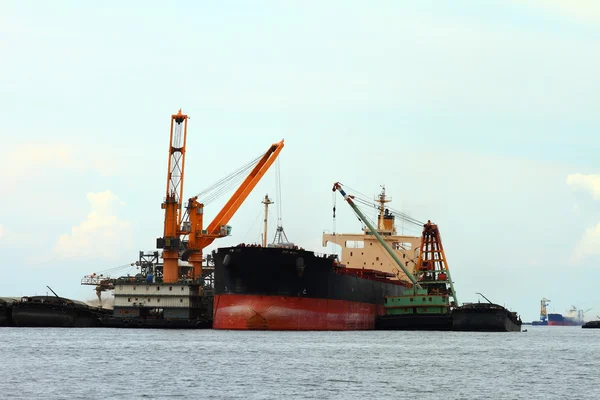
(362, 250)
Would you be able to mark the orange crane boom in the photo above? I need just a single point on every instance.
(199, 239)
(236, 200)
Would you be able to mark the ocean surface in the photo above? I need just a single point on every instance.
(100, 363)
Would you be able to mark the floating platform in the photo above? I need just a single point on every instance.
(474, 317)
(419, 311)
(592, 325)
(55, 312)
(485, 317)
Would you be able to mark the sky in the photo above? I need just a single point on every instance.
(479, 116)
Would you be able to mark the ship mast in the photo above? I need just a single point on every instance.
(266, 202)
(382, 200)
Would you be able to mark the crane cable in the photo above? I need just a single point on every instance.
(115, 269)
(364, 199)
(278, 193)
(252, 225)
(223, 185)
(390, 259)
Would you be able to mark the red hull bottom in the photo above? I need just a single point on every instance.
(555, 323)
(250, 312)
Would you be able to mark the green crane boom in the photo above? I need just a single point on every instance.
(348, 198)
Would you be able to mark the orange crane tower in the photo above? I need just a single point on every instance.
(170, 242)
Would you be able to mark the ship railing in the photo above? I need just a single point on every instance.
(95, 280)
(324, 255)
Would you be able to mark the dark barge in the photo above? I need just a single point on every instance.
(59, 312)
(6, 305)
(592, 324)
(485, 317)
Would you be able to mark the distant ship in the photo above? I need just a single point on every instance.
(573, 318)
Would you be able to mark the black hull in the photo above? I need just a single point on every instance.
(5, 313)
(592, 325)
(295, 273)
(38, 315)
(5, 316)
(292, 289)
(485, 318)
(415, 322)
(149, 323)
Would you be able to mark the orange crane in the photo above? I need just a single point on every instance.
(175, 225)
(198, 239)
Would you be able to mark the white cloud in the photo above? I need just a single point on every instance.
(33, 159)
(1, 231)
(106, 166)
(588, 245)
(59, 155)
(534, 263)
(590, 182)
(102, 235)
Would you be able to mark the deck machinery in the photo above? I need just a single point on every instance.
(178, 291)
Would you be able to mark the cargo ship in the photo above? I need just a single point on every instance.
(281, 286)
(573, 318)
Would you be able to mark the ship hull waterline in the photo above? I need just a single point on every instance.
(294, 289)
(286, 313)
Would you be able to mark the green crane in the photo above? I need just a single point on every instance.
(348, 198)
(431, 300)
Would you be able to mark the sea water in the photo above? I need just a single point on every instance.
(100, 363)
